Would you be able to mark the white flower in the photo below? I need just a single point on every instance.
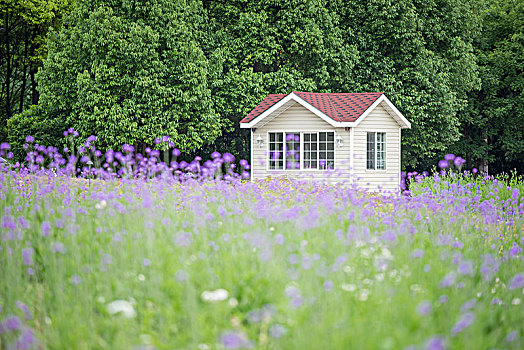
(349, 287)
(123, 307)
(215, 295)
(101, 205)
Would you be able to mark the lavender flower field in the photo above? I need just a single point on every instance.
(141, 255)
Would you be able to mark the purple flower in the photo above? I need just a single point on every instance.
(443, 299)
(128, 149)
(443, 164)
(515, 250)
(468, 305)
(417, 253)
(449, 157)
(4, 146)
(512, 336)
(27, 254)
(474, 170)
(76, 280)
(29, 139)
(424, 307)
(466, 267)
(12, 323)
(448, 280)
(146, 262)
(24, 308)
(458, 162)
(516, 282)
(183, 239)
(46, 227)
(58, 247)
(464, 322)
(235, 340)
(26, 339)
(435, 343)
(280, 239)
(228, 158)
(276, 331)
(215, 155)
(328, 285)
(181, 276)
(489, 267)
(496, 301)
(176, 152)
(91, 138)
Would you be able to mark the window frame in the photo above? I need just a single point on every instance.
(375, 132)
(301, 133)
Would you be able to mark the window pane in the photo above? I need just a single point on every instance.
(310, 150)
(331, 136)
(276, 151)
(370, 153)
(322, 136)
(292, 151)
(381, 150)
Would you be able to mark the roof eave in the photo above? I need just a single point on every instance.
(291, 96)
(400, 119)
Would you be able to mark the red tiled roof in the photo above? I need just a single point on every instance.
(343, 107)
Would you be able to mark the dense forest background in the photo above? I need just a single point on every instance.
(129, 71)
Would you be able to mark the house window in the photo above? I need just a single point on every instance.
(276, 151)
(292, 151)
(310, 151)
(376, 151)
(326, 154)
(306, 150)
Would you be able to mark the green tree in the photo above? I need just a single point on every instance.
(262, 47)
(23, 28)
(128, 72)
(494, 126)
(420, 53)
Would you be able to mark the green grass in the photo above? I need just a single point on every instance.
(361, 245)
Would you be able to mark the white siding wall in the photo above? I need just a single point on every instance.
(296, 119)
(378, 120)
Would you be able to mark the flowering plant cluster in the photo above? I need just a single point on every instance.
(150, 254)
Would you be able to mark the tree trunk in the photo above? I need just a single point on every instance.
(32, 71)
(25, 61)
(8, 72)
(467, 136)
(484, 161)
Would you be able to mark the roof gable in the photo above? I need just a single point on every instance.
(340, 107)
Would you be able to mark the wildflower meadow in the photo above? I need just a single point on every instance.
(129, 251)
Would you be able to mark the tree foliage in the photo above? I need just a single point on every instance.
(23, 27)
(129, 72)
(493, 128)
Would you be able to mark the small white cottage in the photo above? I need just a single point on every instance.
(346, 137)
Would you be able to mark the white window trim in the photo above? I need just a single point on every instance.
(385, 151)
(301, 132)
